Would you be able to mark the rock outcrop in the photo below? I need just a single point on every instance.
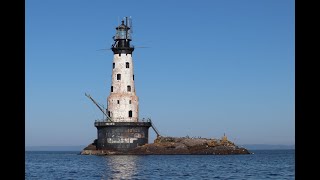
(176, 145)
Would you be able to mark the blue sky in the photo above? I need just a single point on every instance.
(212, 67)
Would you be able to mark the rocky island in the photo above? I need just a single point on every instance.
(122, 132)
(175, 146)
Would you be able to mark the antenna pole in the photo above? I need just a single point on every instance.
(126, 28)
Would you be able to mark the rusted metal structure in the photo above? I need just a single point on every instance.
(122, 130)
(122, 136)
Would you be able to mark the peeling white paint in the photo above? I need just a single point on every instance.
(121, 140)
(120, 112)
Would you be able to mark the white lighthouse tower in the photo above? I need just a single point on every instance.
(123, 103)
(122, 130)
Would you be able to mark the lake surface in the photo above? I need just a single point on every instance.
(263, 164)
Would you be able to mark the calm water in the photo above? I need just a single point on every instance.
(269, 164)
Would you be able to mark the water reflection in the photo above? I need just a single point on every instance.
(120, 167)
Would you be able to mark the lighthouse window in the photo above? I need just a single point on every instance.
(133, 77)
(120, 34)
(127, 65)
(129, 88)
(111, 88)
(109, 113)
(130, 113)
(118, 76)
(129, 101)
(113, 65)
(118, 101)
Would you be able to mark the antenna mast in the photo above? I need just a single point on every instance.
(130, 25)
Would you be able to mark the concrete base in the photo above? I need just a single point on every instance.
(121, 136)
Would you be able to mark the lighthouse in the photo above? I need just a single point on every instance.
(122, 130)
(123, 103)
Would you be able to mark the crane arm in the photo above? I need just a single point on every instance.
(154, 128)
(97, 106)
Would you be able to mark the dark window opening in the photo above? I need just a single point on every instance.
(109, 113)
(111, 88)
(133, 77)
(127, 65)
(129, 88)
(118, 101)
(130, 113)
(129, 101)
(113, 65)
(118, 76)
